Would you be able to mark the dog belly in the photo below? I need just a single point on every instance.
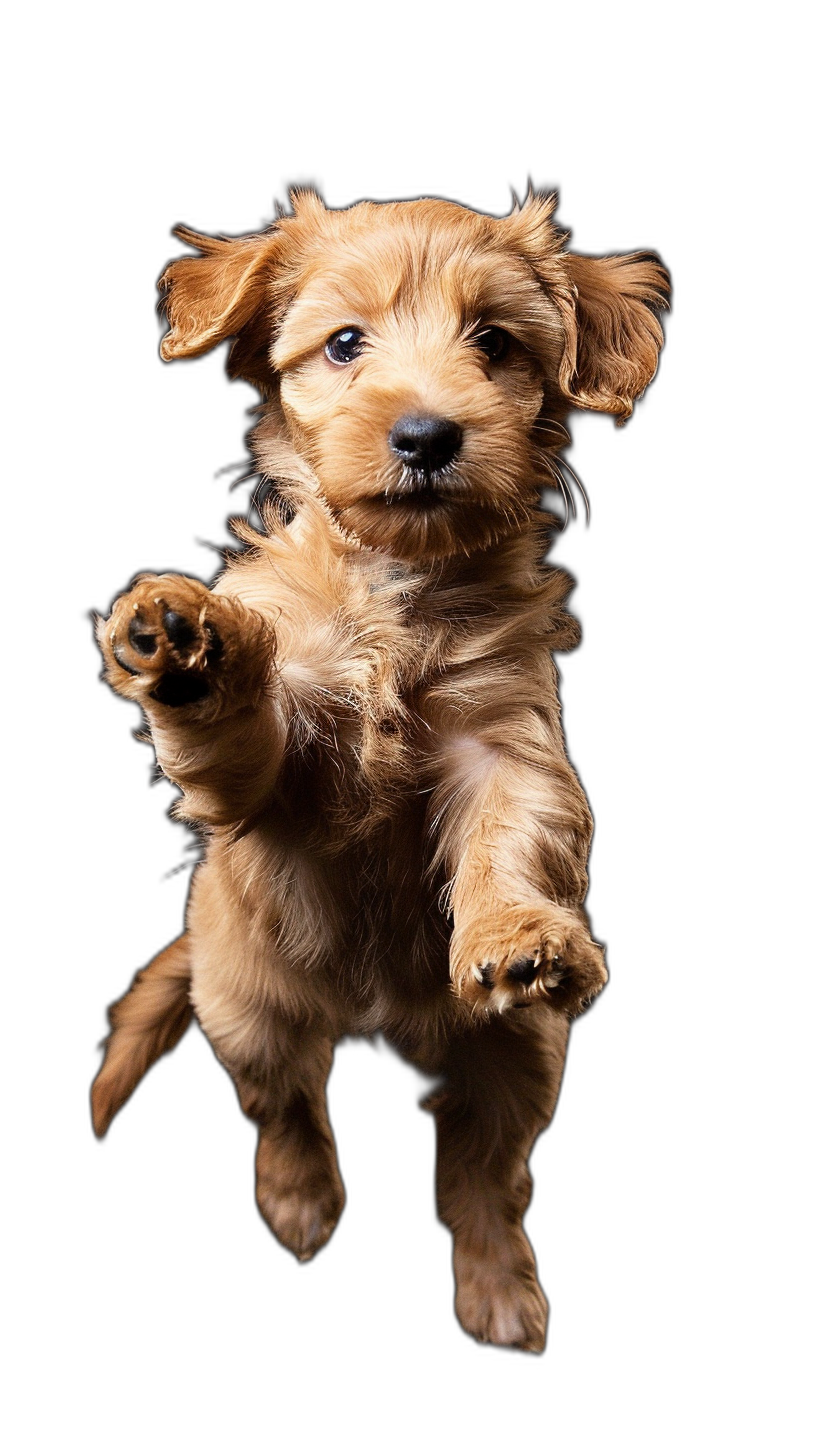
(355, 941)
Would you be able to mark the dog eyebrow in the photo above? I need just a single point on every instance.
(493, 289)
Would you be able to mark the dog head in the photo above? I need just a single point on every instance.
(420, 358)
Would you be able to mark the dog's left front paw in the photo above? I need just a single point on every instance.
(540, 953)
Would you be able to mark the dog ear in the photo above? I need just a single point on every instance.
(613, 330)
(214, 296)
(609, 309)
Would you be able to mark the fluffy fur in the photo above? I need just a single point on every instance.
(362, 712)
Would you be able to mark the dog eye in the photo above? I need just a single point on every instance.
(345, 345)
(495, 343)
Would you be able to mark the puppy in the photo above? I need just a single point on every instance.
(362, 714)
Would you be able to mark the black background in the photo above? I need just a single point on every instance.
(165, 1248)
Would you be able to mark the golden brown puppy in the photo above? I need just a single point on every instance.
(362, 712)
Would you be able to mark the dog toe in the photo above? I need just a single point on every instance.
(484, 975)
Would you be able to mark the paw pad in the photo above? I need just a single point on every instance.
(141, 639)
(524, 971)
(179, 631)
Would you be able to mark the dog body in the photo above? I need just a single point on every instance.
(362, 713)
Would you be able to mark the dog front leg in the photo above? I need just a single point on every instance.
(201, 666)
(514, 836)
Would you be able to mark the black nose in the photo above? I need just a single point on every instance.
(424, 442)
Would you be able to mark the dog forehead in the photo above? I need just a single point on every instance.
(430, 259)
(411, 225)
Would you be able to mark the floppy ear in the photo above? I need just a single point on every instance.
(608, 306)
(214, 296)
(613, 331)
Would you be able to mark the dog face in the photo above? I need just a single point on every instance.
(413, 363)
(419, 358)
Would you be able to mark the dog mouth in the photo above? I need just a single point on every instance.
(421, 490)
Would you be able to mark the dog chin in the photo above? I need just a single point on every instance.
(422, 525)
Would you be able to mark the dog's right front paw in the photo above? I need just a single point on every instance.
(159, 635)
(172, 641)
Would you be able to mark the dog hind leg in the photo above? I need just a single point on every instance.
(499, 1092)
(298, 1187)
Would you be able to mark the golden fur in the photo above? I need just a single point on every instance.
(362, 712)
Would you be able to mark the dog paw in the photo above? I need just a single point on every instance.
(302, 1224)
(302, 1216)
(540, 954)
(501, 1306)
(172, 641)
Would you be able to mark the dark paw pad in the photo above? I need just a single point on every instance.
(523, 971)
(141, 639)
(176, 689)
(179, 631)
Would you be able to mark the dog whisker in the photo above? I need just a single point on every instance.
(563, 462)
(569, 504)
